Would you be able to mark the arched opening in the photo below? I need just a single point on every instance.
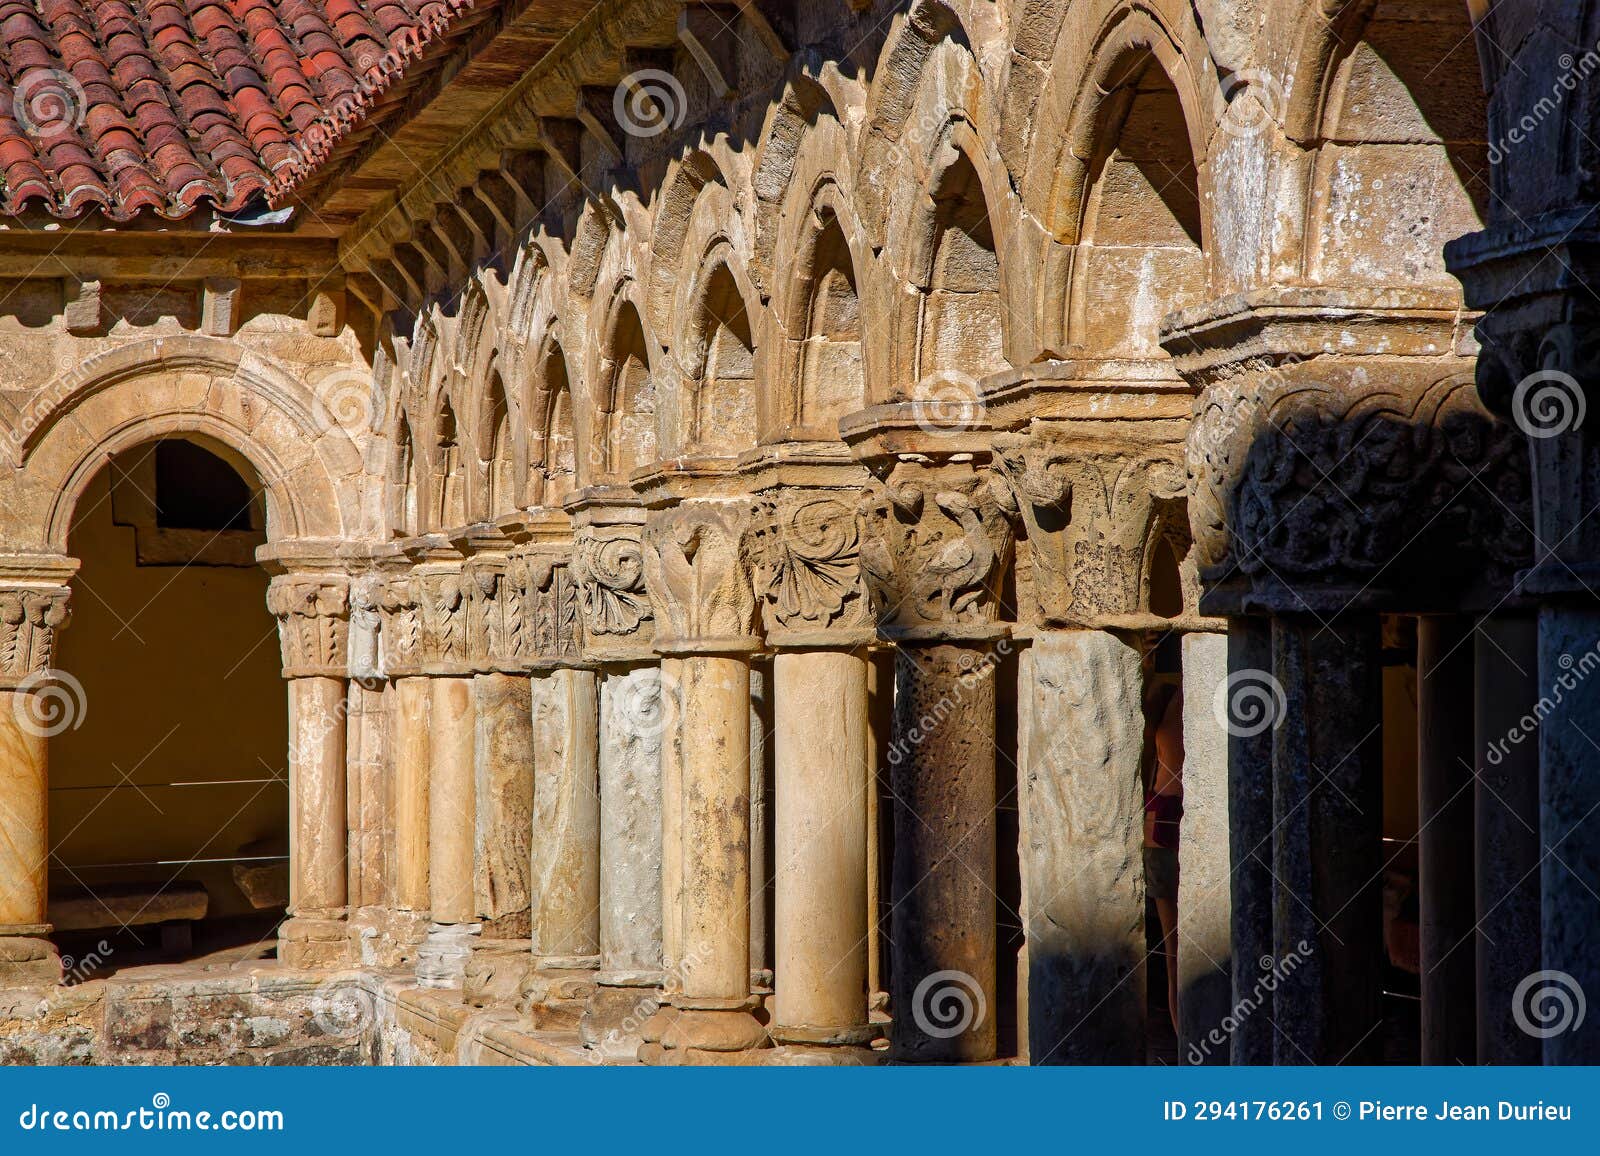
(169, 802)
(832, 382)
(1140, 252)
(723, 417)
(448, 508)
(560, 451)
(499, 465)
(959, 338)
(1402, 165)
(631, 419)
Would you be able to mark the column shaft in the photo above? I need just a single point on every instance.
(1205, 952)
(821, 840)
(942, 981)
(1250, 834)
(316, 934)
(412, 757)
(503, 789)
(566, 925)
(1569, 796)
(1086, 918)
(1507, 818)
(26, 955)
(1444, 839)
(442, 958)
(1327, 854)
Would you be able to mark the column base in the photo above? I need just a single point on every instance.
(27, 958)
(803, 1056)
(555, 998)
(496, 972)
(613, 1021)
(307, 941)
(442, 958)
(702, 1037)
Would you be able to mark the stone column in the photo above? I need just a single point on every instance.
(502, 774)
(1086, 927)
(36, 702)
(370, 807)
(1445, 783)
(817, 618)
(634, 703)
(400, 640)
(1252, 708)
(934, 544)
(1085, 493)
(1205, 950)
(452, 808)
(697, 575)
(313, 614)
(1327, 859)
(1506, 689)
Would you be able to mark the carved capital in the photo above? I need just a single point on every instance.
(400, 636)
(30, 616)
(366, 628)
(1401, 493)
(608, 571)
(806, 549)
(934, 544)
(551, 632)
(1093, 504)
(313, 612)
(442, 608)
(697, 571)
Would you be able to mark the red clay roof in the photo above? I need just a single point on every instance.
(159, 105)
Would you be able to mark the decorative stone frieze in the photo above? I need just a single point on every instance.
(313, 613)
(698, 574)
(1093, 498)
(30, 616)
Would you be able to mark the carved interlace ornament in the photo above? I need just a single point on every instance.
(1344, 487)
(313, 615)
(933, 547)
(29, 619)
(697, 572)
(807, 554)
(1092, 513)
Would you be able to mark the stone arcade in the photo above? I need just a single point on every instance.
(726, 475)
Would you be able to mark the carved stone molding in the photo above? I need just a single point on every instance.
(442, 605)
(806, 550)
(608, 572)
(30, 616)
(698, 575)
(313, 613)
(1092, 504)
(934, 544)
(494, 613)
(1393, 494)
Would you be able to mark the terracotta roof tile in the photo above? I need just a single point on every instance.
(163, 105)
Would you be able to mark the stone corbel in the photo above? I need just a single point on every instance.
(934, 544)
(698, 576)
(30, 616)
(313, 612)
(806, 550)
(1089, 508)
